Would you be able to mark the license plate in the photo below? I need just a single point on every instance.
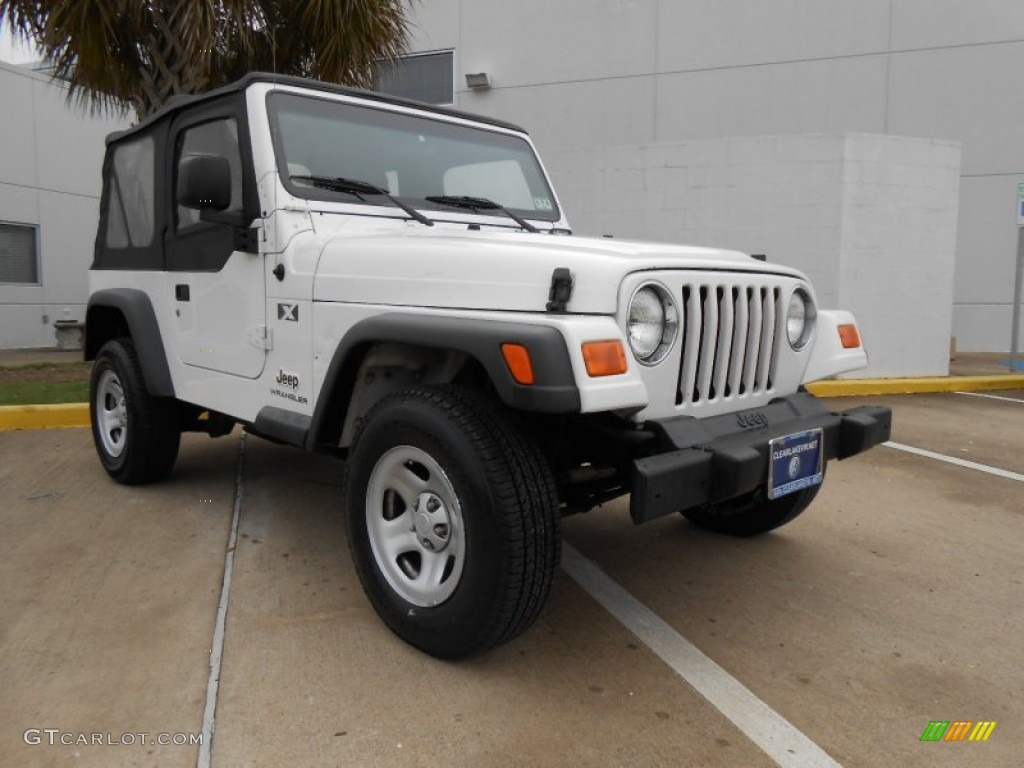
(795, 463)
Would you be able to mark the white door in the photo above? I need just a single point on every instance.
(219, 293)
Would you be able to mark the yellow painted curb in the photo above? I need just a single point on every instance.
(851, 387)
(44, 416)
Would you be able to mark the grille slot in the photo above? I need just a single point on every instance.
(728, 341)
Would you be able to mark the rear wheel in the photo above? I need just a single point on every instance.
(753, 513)
(453, 521)
(136, 434)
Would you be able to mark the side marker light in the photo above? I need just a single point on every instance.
(517, 358)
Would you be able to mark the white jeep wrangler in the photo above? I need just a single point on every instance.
(396, 284)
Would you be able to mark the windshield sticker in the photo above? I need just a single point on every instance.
(542, 203)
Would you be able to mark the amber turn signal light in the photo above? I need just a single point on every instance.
(517, 358)
(604, 358)
(849, 336)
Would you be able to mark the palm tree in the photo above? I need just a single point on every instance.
(138, 53)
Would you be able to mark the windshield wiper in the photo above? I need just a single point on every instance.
(359, 189)
(481, 204)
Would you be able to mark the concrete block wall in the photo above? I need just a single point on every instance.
(870, 219)
(898, 252)
(50, 178)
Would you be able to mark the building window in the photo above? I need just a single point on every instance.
(19, 260)
(428, 77)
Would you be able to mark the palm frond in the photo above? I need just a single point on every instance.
(119, 54)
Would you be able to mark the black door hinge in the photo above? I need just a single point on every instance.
(247, 239)
(561, 290)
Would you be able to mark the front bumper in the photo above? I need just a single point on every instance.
(718, 458)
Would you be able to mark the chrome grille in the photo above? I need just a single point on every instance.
(729, 341)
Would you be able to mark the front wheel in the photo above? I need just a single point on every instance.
(753, 513)
(453, 521)
(136, 434)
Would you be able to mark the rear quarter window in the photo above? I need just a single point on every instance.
(131, 201)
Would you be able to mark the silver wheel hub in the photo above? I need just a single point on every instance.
(415, 526)
(431, 522)
(111, 413)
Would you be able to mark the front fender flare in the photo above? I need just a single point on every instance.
(553, 391)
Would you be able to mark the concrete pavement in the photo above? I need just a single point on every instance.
(893, 602)
(108, 599)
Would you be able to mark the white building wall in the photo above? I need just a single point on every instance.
(50, 161)
(612, 73)
(871, 220)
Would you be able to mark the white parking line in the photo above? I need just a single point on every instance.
(775, 735)
(959, 462)
(212, 685)
(992, 397)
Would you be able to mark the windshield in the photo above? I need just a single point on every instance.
(410, 157)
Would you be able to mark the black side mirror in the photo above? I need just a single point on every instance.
(204, 183)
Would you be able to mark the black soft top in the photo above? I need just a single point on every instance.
(176, 103)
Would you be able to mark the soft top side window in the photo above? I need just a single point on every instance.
(131, 206)
(216, 137)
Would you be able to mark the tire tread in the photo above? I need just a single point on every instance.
(154, 436)
(524, 493)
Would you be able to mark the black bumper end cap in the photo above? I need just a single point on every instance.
(863, 428)
(669, 482)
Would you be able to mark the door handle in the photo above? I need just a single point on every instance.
(181, 292)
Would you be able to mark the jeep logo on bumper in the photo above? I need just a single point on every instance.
(751, 420)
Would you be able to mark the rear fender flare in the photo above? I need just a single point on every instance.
(137, 310)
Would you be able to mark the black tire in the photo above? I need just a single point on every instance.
(494, 500)
(753, 513)
(136, 434)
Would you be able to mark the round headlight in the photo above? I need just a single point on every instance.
(800, 319)
(652, 324)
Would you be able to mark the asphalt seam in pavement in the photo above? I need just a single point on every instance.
(213, 684)
(769, 730)
(957, 461)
